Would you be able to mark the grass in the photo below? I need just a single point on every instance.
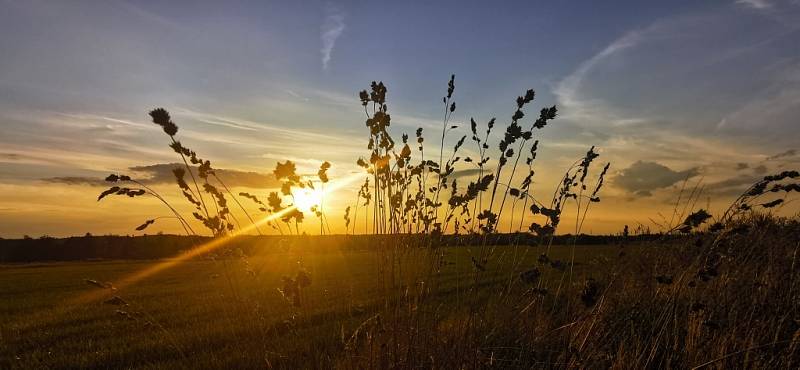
(708, 300)
(192, 312)
(707, 293)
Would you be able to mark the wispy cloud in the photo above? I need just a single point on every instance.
(297, 95)
(67, 157)
(282, 157)
(219, 121)
(755, 4)
(152, 17)
(648, 63)
(161, 173)
(243, 124)
(774, 106)
(332, 28)
(788, 153)
(96, 117)
(567, 91)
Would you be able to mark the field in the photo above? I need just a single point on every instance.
(213, 311)
(721, 300)
(448, 264)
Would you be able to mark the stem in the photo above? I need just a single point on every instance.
(238, 203)
(184, 223)
(194, 180)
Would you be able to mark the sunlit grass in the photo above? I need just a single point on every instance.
(199, 310)
(429, 286)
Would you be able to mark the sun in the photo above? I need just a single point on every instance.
(305, 198)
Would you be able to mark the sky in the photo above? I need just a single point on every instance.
(672, 94)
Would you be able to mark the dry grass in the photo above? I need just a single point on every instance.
(722, 296)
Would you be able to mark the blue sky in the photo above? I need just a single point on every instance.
(666, 90)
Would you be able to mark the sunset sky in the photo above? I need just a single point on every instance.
(666, 91)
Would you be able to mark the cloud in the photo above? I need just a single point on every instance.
(10, 156)
(567, 90)
(332, 28)
(788, 153)
(760, 169)
(297, 95)
(774, 107)
(755, 4)
(157, 174)
(471, 172)
(76, 180)
(96, 117)
(220, 121)
(641, 178)
(153, 17)
(734, 181)
(648, 77)
(289, 132)
(742, 166)
(731, 186)
(312, 162)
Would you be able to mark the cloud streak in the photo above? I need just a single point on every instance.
(755, 4)
(332, 28)
(788, 153)
(161, 173)
(567, 90)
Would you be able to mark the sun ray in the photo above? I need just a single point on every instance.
(140, 275)
(306, 198)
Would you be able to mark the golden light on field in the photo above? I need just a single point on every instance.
(219, 242)
(306, 198)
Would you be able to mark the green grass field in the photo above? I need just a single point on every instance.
(223, 313)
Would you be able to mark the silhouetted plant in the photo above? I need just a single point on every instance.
(218, 222)
(780, 183)
(408, 202)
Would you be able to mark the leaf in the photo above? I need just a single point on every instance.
(323, 171)
(772, 203)
(135, 193)
(108, 192)
(695, 219)
(285, 170)
(145, 225)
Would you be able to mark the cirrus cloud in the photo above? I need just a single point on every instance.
(332, 28)
(161, 173)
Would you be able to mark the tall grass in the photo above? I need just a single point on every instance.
(722, 295)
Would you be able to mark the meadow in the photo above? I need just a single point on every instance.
(222, 314)
(701, 301)
(702, 291)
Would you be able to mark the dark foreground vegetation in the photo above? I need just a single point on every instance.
(165, 246)
(715, 300)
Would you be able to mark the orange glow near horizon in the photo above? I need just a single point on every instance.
(219, 242)
(207, 247)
